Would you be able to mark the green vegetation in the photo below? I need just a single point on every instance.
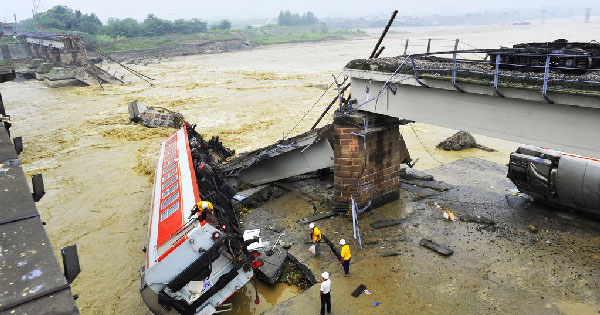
(64, 19)
(305, 36)
(287, 18)
(222, 25)
(5, 64)
(153, 32)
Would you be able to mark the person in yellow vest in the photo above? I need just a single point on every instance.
(315, 235)
(201, 207)
(345, 253)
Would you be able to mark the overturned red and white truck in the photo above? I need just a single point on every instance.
(196, 258)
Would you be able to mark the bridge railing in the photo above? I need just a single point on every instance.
(545, 68)
(548, 70)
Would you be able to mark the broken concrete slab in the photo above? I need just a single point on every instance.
(153, 116)
(421, 192)
(304, 269)
(433, 184)
(248, 196)
(61, 83)
(44, 68)
(60, 73)
(412, 174)
(360, 289)
(319, 216)
(386, 223)
(34, 63)
(273, 265)
(299, 155)
(460, 141)
(436, 247)
(334, 249)
(92, 75)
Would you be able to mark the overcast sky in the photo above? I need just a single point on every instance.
(242, 9)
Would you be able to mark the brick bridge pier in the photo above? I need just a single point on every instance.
(375, 164)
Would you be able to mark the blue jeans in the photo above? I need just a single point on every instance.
(346, 264)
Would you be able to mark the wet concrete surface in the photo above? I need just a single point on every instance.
(500, 268)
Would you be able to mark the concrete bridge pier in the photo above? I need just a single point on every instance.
(367, 160)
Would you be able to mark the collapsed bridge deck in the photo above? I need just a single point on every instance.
(555, 110)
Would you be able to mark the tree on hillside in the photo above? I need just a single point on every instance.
(64, 19)
(189, 26)
(287, 18)
(87, 23)
(126, 27)
(154, 26)
(222, 25)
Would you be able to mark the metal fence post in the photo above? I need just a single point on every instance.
(496, 76)
(454, 73)
(412, 61)
(546, 74)
(456, 44)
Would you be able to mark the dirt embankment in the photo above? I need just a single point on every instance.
(141, 56)
(212, 43)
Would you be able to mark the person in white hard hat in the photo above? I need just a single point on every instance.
(315, 235)
(200, 208)
(345, 254)
(325, 292)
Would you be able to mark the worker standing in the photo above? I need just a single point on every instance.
(345, 254)
(325, 292)
(315, 235)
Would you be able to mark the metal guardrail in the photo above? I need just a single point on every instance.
(495, 67)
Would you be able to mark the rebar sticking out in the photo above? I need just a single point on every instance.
(385, 30)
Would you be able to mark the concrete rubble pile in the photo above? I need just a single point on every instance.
(153, 117)
(460, 141)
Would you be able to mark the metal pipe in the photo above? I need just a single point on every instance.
(545, 87)
(405, 47)
(496, 76)
(329, 106)
(385, 30)
(414, 66)
(379, 52)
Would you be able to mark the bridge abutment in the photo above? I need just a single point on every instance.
(367, 165)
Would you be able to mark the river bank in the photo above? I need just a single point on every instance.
(97, 166)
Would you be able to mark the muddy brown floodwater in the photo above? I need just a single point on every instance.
(97, 166)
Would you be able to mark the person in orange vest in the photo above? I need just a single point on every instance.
(345, 261)
(315, 235)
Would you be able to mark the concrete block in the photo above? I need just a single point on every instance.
(44, 67)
